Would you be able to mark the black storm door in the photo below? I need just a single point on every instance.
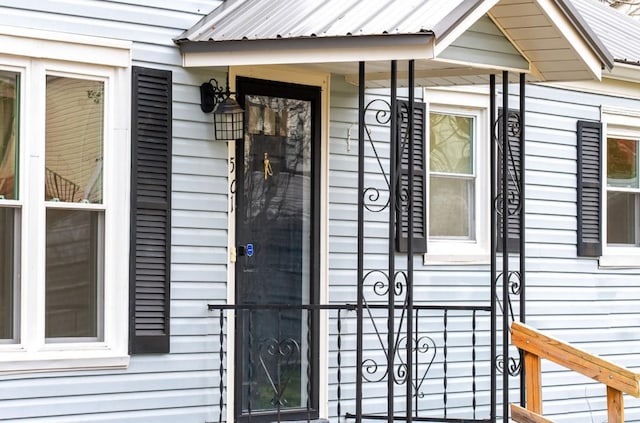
(277, 224)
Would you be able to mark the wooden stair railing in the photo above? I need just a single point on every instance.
(537, 346)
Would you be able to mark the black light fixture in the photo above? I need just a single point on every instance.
(228, 116)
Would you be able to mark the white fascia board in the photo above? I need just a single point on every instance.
(64, 46)
(444, 42)
(625, 72)
(571, 34)
(609, 86)
(275, 52)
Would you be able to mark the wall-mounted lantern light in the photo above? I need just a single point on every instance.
(228, 116)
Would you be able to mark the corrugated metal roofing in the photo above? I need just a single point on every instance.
(619, 33)
(269, 19)
(335, 33)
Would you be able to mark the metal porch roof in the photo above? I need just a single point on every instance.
(619, 33)
(333, 35)
(237, 20)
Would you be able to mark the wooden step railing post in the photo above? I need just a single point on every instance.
(533, 381)
(615, 405)
(537, 346)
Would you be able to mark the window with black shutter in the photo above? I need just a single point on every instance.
(589, 189)
(151, 134)
(419, 207)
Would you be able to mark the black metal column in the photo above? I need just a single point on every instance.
(409, 295)
(360, 271)
(523, 284)
(393, 177)
(494, 238)
(504, 206)
(507, 212)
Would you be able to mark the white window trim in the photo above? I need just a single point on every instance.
(109, 62)
(624, 123)
(474, 103)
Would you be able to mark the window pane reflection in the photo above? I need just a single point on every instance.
(451, 207)
(8, 128)
(622, 218)
(74, 140)
(622, 163)
(73, 274)
(451, 143)
(7, 272)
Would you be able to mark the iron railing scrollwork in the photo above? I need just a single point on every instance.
(421, 346)
(372, 195)
(513, 178)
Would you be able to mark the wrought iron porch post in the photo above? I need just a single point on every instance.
(523, 284)
(505, 242)
(507, 193)
(494, 237)
(393, 174)
(360, 271)
(409, 295)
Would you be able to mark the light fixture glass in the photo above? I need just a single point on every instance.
(228, 120)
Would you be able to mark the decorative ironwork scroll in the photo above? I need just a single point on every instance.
(421, 346)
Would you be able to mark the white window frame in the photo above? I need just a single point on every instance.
(473, 102)
(617, 123)
(109, 61)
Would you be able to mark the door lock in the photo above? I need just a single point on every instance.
(245, 250)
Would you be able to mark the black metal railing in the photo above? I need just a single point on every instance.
(276, 369)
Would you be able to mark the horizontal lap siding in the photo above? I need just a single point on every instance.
(161, 388)
(569, 297)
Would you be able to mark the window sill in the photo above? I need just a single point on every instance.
(614, 260)
(463, 259)
(12, 362)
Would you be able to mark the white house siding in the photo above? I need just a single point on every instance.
(569, 297)
(178, 387)
(484, 43)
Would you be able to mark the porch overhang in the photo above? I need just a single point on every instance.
(549, 42)
(309, 50)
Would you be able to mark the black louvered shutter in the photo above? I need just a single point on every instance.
(419, 178)
(151, 133)
(589, 189)
(513, 179)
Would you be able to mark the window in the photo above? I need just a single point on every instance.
(64, 158)
(608, 171)
(623, 192)
(9, 207)
(451, 176)
(458, 174)
(74, 122)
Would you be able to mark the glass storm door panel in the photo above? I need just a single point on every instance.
(276, 234)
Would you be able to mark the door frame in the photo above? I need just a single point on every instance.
(290, 75)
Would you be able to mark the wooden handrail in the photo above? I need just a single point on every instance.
(537, 346)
